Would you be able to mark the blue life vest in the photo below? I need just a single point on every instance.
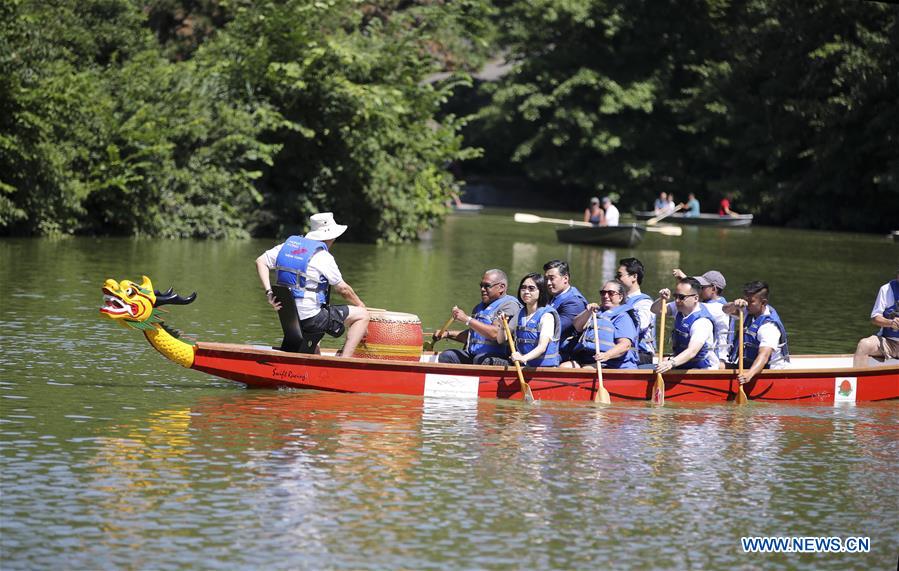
(566, 336)
(527, 336)
(292, 263)
(751, 341)
(646, 335)
(681, 338)
(605, 322)
(891, 312)
(477, 343)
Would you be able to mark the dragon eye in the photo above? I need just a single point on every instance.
(129, 291)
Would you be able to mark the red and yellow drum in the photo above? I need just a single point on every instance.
(391, 335)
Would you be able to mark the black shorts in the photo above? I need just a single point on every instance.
(331, 320)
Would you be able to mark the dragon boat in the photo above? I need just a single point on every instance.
(813, 379)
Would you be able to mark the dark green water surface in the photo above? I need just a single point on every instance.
(114, 458)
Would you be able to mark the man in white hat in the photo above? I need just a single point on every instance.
(306, 266)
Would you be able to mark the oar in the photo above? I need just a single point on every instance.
(534, 219)
(655, 219)
(741, 396)
(601, 395)
(658, 391)
(434, 338)
(666, 230)
(525, 388)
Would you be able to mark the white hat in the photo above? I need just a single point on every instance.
(324, 227)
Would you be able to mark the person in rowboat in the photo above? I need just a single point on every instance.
(483, 325)
(630, 273)
(712, 284)
(764, 335)
(691, 207)
(617, 325)
(885, 314)
(661, 204)
(536, 327)
(694, 329)
(612, 216)
(306, 266)
(567, 301)
(724, 207)
(594, 214)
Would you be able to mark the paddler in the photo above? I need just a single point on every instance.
(306, 266)
(764, 335)
(694, 330)
(885, 314)
(536, 327)
(630, 272)
(712, 284)
(617, 327)
(567, 301)
(483, 324)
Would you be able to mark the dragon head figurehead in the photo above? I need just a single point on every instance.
(138, 305)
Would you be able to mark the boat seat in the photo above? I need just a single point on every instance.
(293, 342)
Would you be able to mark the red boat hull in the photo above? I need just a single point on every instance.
(264, 368)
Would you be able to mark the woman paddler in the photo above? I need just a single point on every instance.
(537, 327)
(617, 324)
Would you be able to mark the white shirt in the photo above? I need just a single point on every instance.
(769, 336)
(322, 263)
(884, 300)
(644, 315)
(611, 215)
(722, 328)
(705, 330)
(701, 329)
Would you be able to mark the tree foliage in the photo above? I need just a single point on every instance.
(790, 106)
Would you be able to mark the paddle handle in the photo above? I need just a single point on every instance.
(659, 388)
(655, 219)
(438, 333)
(741, 395)
(601, 395)
(525, 388)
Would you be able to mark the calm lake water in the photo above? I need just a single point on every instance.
(114, 458)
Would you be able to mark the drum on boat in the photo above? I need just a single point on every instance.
(391, 335)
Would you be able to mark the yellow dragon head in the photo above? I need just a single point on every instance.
(135, 305)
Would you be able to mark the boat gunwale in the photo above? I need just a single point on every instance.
(362, 363)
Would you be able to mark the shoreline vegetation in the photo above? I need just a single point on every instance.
(233, 119)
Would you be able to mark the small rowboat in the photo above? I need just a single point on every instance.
(826, 379)
(624, 236)
(701, 220)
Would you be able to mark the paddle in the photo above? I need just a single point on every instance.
(658, 391)
(666, 230)
(655, 219)
(434, 338)
(525, 388)
(741, 396)
(601, 395)
(534, 219)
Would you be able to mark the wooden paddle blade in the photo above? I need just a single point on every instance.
(666, 230)
(658, 391)
(602, 396)
(527, 218)
(741, 396)
(522, 384)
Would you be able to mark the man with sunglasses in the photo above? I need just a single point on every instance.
(693, 336)
(712, 285)
(480, 337)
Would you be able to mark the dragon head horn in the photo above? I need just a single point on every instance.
(168, 297)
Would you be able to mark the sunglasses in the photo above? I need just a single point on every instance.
(683, 296)
(608, 292)
(488, 286)
(527, 288)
